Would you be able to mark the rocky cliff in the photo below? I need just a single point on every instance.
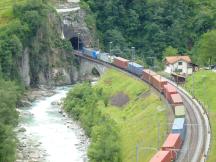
(54, 64)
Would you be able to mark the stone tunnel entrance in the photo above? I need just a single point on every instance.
(76, 43)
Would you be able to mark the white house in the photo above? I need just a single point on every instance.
(178, 64)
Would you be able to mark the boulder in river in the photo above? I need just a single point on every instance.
(24, 103)
(22, 129)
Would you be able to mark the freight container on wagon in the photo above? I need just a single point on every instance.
(161, 156)
(158, 82)
(121, 62)
(179, 127)
(91, 52)
(179, 111)
(173, 144)
(135, 68)
(146, 76)
(104, 57)
(112, 58)
(168, 90)
(176, 99)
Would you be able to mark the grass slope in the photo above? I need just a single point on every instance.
(138, 120)
(205, 91)
(6, 7)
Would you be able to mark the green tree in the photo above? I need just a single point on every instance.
(9, 95)
(170, 51)
(205, 49)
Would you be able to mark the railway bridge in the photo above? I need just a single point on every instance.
(91, 67)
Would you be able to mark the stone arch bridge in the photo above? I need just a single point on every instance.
(88, 65)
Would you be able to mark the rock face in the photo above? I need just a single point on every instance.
(24, 67)
(56, 65)
(74, 23)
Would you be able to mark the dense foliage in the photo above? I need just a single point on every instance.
(206, 49)
(81, 103)
(9, 94)
(31, 28)
(153, 25)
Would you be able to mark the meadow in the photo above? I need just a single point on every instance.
(6, 10)
(141, 122)
(204, 91)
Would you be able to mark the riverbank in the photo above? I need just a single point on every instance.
(45, 132)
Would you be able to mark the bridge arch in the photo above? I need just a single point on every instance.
(88, 67)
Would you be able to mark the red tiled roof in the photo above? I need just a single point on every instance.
(174, 59)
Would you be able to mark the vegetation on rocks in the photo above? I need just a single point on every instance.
(31, 28)
(116, 130)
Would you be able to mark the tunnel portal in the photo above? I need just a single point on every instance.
(76, 43)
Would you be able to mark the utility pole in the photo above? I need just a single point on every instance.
(158, 134)
(137, 153)
(78, 41)
(152, 61)
(98, 41)
(132, 56)
(110, 48)
(193, 85)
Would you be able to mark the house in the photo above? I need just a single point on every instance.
(178, 64)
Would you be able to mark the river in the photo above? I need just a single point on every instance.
(49, 135)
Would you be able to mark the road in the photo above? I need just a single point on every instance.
(197, 142)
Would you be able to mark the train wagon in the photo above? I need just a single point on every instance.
(173, 143)
(121, 62)
(135, 68)
(112, 58)
(91, 52)
(161, 156)
(176, 100)
(179, 111)
(158, 82)
(104, 57)
(179, 127)
(147, 75)
(169, 90)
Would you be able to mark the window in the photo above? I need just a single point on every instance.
(179, 63)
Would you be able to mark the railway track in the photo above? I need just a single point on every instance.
(197, 142)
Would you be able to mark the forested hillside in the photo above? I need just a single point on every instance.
(153, 25)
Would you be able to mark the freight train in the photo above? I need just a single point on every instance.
(172, 145)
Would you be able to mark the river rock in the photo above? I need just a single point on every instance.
(22, 129)
(24, 103)
(48, 94)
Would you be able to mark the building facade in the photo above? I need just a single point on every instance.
(178, 64)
